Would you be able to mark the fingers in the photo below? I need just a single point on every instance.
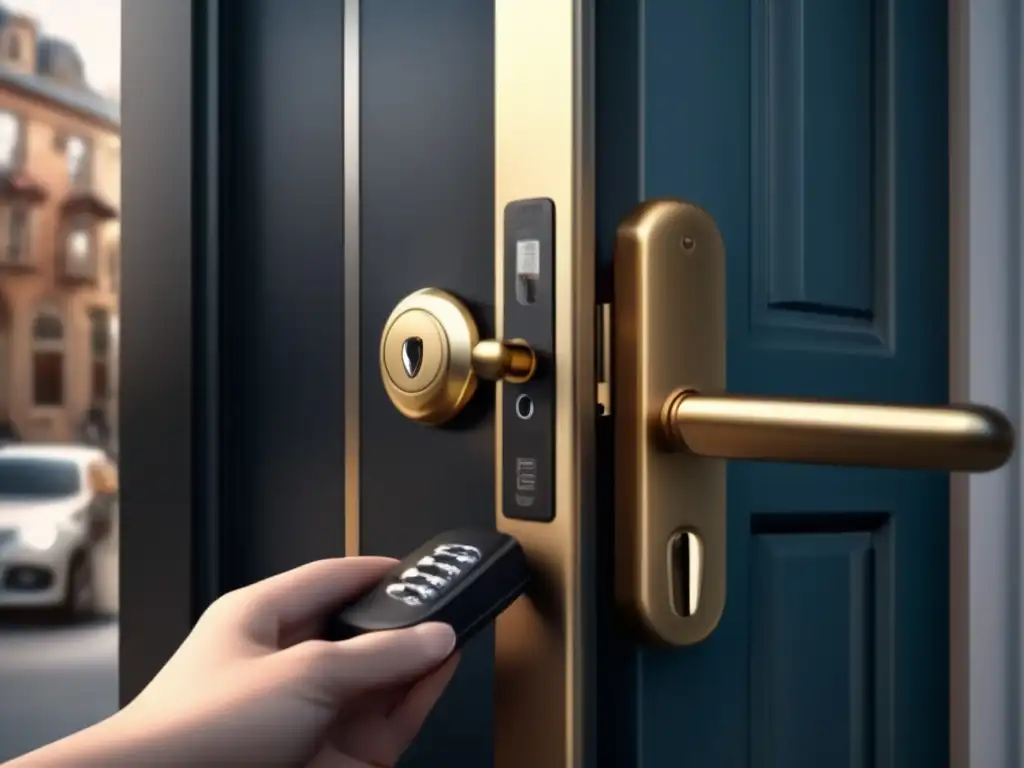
(373, 662)
(304, 594)
(408, 717)
(389, 723)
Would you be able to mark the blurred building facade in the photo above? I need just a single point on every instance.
(60, 176)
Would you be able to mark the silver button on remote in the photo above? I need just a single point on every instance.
(432, 562)
(415, 573)
(433, 573)
(461, 551)
(399, 591)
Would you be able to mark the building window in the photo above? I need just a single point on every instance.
(10, 135)
(76, 151)
(78, 251)
(48, 358)
(100, 338)
(14, 223)
(14, 47)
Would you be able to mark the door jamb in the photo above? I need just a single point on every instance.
(160, 540)
(986, 331)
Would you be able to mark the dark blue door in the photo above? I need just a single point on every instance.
(814, 132)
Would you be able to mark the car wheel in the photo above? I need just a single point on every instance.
(80, 589)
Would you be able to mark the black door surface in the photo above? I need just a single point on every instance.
(296, 171)
(262, 400)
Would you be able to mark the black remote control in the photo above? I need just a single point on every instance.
(463, 578)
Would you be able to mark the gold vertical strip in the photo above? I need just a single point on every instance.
(543, 148)
(351, 123)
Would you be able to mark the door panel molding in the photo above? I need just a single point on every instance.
(544, 149)
(281, 166)
(421, 94)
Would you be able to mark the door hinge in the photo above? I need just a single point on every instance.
(603, 338)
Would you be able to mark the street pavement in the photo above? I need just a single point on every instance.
(54, 679)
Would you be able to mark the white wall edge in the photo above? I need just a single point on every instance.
(986, 333)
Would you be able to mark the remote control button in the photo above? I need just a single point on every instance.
(400, 592)
(415, 574)
(424, 592)
(472, 554)
(428, 562)
(433, 573)
(451, 557)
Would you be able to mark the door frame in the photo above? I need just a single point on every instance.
(164, 336)
(986, 332)
(178, 450)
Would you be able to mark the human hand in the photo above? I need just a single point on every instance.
(251, 685)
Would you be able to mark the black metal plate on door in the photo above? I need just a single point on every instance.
(528, 410)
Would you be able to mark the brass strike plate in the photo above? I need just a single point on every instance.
(669, 334)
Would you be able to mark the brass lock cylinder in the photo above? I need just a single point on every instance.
(512, 361)
(431, 357)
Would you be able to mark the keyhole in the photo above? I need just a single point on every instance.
(685, 571)
(412, 356)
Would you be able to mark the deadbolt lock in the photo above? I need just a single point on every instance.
(431, 357)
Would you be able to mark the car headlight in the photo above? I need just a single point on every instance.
(39, 535)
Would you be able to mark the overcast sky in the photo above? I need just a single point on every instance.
(94, 26)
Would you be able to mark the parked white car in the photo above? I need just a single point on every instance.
(57, 502)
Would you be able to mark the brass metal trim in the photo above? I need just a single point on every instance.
(969, 438)
(351, 216)
(513, 361)
(669, 331)
(543, 149)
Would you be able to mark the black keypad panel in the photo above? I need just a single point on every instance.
(433, 573)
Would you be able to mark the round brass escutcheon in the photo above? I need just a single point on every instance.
(426, 356)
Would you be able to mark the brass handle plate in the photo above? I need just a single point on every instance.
(675, 425)
(669, 506)
(431, 357)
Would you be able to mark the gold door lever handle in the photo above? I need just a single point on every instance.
(431, 357)
(968, 438)
(674, 424)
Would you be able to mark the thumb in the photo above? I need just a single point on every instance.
(377, 660)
